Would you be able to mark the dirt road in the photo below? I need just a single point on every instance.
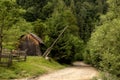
(79, 71)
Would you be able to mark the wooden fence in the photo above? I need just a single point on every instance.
(19, 55)
(6, 59)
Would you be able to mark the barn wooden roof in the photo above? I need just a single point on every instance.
(37, 38)
(32, 37)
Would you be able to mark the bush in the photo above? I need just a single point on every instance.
(68, 49)
(106, 76)
(103, 47)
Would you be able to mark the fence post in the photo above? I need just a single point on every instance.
(9, 60)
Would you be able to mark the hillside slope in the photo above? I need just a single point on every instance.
(32, 67)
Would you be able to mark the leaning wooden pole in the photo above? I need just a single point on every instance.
(46, 53)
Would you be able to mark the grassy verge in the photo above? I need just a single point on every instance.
(32, 67)
(106, 76)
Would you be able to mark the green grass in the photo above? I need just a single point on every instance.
(106, 76)
(32, 67)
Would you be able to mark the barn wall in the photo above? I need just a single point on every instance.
(32, 49)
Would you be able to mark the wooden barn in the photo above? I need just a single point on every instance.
(32, 43)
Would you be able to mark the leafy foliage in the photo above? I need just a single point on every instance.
(66, 47)
(11, 37)
(40, 28)
(8, 16)
(36, 9)
(103, 47)
(87, 13)
(106, 76)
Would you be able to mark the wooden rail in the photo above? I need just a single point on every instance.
(20, 55)
(6, 59)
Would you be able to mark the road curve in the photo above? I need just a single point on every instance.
(80, 71)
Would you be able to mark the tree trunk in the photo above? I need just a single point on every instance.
(0, 42)
(1, 39)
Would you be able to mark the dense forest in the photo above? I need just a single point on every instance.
(93, 33)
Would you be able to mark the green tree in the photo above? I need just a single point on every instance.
(12, 35)
(40, 28)
(87, 13)
(36, 9)
(8, 16)
(67, 46)
(103, 47)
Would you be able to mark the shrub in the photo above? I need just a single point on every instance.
(103, 47)
(106, 76)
